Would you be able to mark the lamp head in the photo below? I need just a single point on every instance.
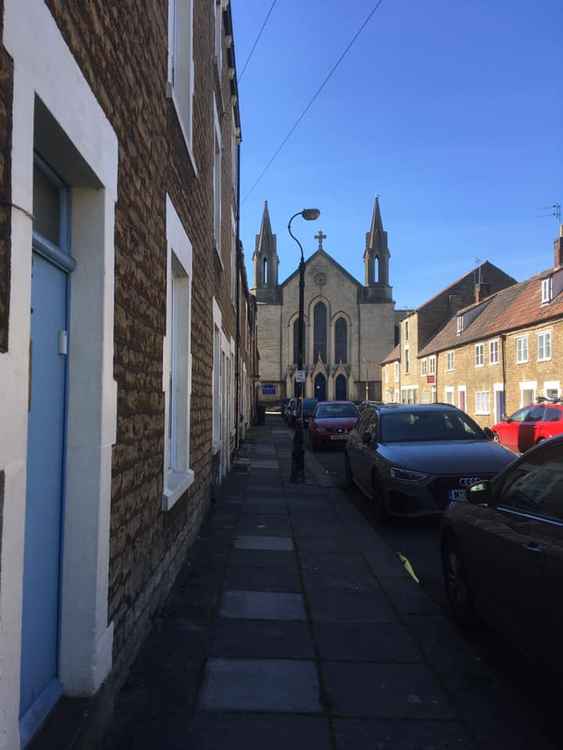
(310, 214)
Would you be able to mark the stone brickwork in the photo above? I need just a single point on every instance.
(6, 91)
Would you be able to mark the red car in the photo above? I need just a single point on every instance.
(331, 423)
(529, 426)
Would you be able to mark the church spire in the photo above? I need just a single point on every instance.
(265, 256)
(376, 227)
(376, 255)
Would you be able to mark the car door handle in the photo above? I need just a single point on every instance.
(534, 547)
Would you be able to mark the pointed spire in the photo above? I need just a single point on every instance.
(266, 234)
(376, 227)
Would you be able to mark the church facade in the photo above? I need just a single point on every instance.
(349, 326)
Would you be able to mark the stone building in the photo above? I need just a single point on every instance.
(408, 376)
(503, 352)
(127, 340)
(349, 326)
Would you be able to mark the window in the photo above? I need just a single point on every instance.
(423, 366)
(418, 426)
(461, 397)
(521, 349)
(449, 395)
(217, 195)
(341, 341)
(479, 355)
(546, 290)
(535, 485)
(180, 63)
(407, 360)
(527, 393)
(551, 389)
(319, 332)
(432, 365)
(406, 330)
(450, 361)
(218, 35)
(553, 415)
(397, 371)
(482, 402)
(544, 346)
(178, 475)
(233, 257)
(459, 325)
(494, 352)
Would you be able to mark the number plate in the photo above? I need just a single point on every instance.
(456, 495)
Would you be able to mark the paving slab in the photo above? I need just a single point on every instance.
(391, 691)
(262, 558)
(378, 734)
(261, 525)
(260, 685)
(250, 639)
(408, 596)
(269, 543)
(328, 605)
(256, 578)
(262, 605)
(380, 642)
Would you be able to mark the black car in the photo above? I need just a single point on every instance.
(414, 459)
(502, 553)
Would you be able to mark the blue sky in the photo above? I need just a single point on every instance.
(451, 110)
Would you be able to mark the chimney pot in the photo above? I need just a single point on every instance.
(558, 249)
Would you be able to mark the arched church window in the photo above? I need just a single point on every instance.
(341, 341)
(377, 268)
(265, 272)
(319, 332)
(296, 343)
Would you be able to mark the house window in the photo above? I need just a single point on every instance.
(544, 346)
(407, 360)
(527, 393)
(180, 63)
(461, 397)
(341, 341)
(233, 257)
(479, 355)
(449, 395)
(482, 403)
(521, 349)
(432, 365)
(459, 325)
(546, 290)
(179, 476)
(494, 352)
(319, 332)
(551, 389)
(406, 330)
(450, 361)
(423, 366)
(397, 371)
(217, 195)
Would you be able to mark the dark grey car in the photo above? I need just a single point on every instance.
(414, 459)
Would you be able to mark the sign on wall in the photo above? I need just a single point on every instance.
(268, 389)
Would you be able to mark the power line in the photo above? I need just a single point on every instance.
(315, 95)
(245, 66)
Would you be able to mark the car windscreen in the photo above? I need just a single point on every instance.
(336, 411)
(413, 426)
(309, 405)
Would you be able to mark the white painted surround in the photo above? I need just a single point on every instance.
(44, 67)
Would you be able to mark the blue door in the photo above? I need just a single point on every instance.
(320, 387)
(43, 521)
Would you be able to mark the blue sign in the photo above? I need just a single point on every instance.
(268, 389)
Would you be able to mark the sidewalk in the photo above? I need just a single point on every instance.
(294, 626)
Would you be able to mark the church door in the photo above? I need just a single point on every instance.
(320, 387)
(340, 388)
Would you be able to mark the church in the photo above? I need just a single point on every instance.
(349, 326)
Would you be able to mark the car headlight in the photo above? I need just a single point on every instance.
(407, 475)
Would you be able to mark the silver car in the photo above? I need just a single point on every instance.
(414, 459)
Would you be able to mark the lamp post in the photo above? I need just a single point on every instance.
(298, 454)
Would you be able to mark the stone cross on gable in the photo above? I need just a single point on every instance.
(320, 236)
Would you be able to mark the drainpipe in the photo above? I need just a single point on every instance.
(503, 360)
(237, 306)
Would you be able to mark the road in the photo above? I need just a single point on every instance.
(419, 541)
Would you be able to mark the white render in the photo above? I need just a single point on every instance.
(44, 67)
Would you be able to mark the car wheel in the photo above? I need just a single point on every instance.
(348, 476)
(458, 592)
(378, 496)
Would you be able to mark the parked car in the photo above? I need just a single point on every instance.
(530, 425)
(309, 406)
(502, 553)
(331, 423)
(414, 459)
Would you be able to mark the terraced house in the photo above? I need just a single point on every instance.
(127, 331)
(409, 377)
(502, 353)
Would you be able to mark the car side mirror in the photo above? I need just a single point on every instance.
(489, 434)
(480, 493)
(366, 438)
(504, 418)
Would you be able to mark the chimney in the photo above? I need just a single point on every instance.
(455, 302)
(482, 290)
(558, 249)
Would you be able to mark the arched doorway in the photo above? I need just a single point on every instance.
(340, 390)
(320, 387)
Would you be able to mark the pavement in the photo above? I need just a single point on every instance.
(293, 624)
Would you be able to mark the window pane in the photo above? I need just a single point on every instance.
(536, 485)
(319, 333)
(341, 341)
(46, 207)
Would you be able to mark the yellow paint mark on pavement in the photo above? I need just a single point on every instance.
(408, 567)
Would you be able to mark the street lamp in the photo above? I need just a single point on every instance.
(298, 455)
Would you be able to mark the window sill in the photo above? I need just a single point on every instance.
(482, 365)
(482, 413)
(522, 362)
(493, 364)
(544, 359)
(175, 484)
